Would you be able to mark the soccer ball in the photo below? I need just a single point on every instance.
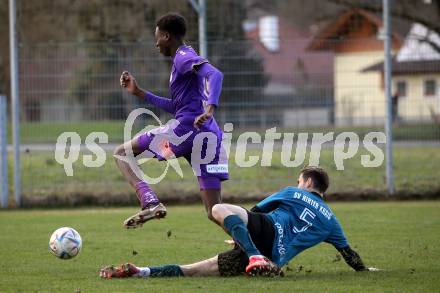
(65, 243)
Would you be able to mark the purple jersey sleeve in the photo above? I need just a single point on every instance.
(186, 60)
(160, 102)
(212, 78)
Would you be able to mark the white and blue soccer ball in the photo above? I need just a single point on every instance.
(65, 243)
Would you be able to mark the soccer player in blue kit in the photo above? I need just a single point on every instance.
(195, 87)
(267, 237)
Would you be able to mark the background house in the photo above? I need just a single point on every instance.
(354, 38)
(299, 83)
(416, 76)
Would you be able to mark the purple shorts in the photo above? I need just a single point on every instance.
(201, 148)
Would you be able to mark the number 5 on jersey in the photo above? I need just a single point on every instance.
(305, 213)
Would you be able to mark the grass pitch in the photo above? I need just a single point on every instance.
(47, 132)
(402, 238)
(416, 171)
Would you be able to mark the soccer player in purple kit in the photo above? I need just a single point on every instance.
(195, 87)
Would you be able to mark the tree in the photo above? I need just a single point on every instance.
(244, 78)
(84, 24)
(426, 13)
(117, 36)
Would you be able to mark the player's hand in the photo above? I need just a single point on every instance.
(230, 241)
(202, 118)
(129, 82)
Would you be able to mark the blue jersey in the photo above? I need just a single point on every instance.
(301, 220)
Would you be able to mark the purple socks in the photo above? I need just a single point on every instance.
(209, 183)
(146, 196)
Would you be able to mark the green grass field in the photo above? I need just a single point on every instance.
(400, 237)
(416, 172)
(45, 132)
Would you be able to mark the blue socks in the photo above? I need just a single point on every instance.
(166, 271)
(239, 232)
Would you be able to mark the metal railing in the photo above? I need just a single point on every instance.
(75, 87)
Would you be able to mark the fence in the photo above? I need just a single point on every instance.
(3, 154)
(75, 87)
(291, 88)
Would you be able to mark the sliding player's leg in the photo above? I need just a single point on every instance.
(226, 264)
(236, 222)
(207, 267)
(222, 211)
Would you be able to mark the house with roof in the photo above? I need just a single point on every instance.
(300, 82)
(354, 37)
(416, 76)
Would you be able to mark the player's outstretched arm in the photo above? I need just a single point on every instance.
(128, 82)
(160, 102)
(352, 258)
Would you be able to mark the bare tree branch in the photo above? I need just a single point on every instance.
(428, 41)
(403, 12)
(408, 10)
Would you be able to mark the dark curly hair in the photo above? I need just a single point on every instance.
(172, 23)
(319, 177)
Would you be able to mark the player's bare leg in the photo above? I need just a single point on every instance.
(123, 166)
(207, 267)
(221, 211)
(204, 268)
(151, 208)
(234, 219)
(210, 198)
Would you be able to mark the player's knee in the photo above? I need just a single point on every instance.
(119, 151)
(217, 212)
(211, 216)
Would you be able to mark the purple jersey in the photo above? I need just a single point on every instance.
(193, 83)
(186, 88)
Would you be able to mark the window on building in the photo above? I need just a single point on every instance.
(429, 87)
(401, 88)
